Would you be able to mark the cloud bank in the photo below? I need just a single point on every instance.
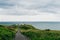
(48, 8)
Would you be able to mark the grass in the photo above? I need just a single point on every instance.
(36, 34)
(7, 32)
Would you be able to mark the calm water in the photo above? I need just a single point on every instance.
(39, 25)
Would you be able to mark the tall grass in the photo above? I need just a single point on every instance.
(36, 34)
(7, 32)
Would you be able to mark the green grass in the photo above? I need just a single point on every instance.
(36, 34)
(7, 32)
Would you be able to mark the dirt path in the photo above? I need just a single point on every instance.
(19, 36)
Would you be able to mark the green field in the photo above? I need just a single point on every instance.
(36, 34)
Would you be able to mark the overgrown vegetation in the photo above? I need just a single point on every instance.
(36, 34)
(26, 27)
(7, 32)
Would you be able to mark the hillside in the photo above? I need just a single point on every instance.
(9, 32)
(36, 34)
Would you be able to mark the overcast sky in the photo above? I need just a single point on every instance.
(29, 10)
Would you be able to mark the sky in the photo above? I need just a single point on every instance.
(29, 10)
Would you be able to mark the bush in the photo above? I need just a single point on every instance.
(6, 34)
(2, 26)
(25, 26)
(47, 29)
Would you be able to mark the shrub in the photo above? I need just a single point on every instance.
(2, 26)
(25, 26)
(47, 29)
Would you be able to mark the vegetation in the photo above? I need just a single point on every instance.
(47, 29)
(7, 32)
(26, 27)
(36, 34)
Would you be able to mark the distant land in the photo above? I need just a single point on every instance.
(39, 25)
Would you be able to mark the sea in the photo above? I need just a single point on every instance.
(38, 25)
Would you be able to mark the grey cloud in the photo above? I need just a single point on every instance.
(6, 3)
(50, 6)
(33, 3)
(29, 7)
